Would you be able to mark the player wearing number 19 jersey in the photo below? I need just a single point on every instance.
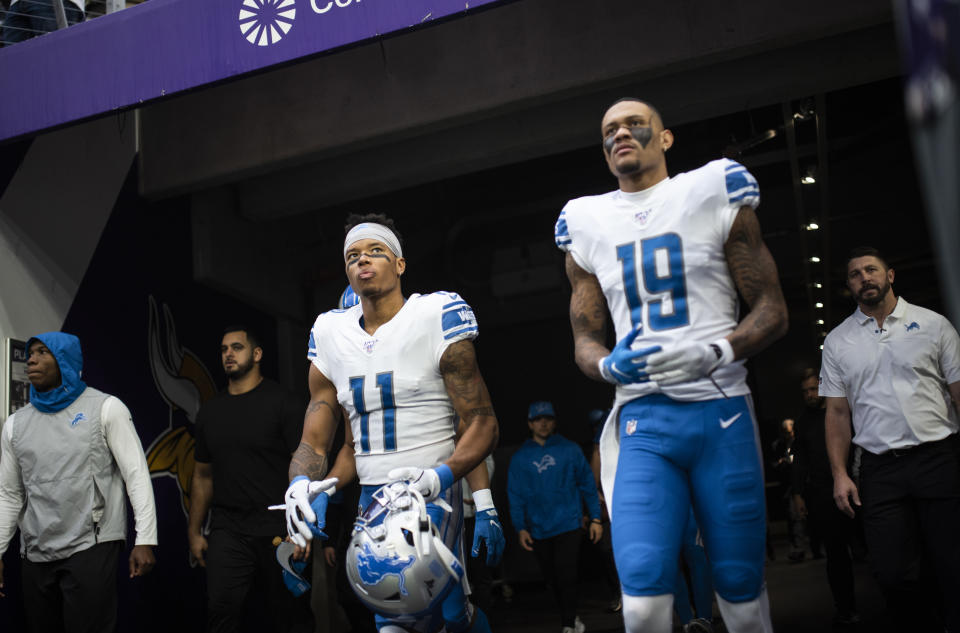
(666, 256)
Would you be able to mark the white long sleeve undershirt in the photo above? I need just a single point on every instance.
(116, 425)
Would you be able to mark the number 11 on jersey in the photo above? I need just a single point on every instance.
(661, 260)
(388, 407)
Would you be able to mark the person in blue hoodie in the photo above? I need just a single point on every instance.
(549, 482)
(65, 462)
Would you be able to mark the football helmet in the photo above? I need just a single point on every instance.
(348, 299)
(397, 563)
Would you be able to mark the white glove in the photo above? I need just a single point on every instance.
(429, 482)
(303, 504)
(686, 362)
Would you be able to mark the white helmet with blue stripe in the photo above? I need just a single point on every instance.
(348, 299)
(397, 563)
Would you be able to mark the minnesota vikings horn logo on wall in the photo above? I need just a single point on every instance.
(184, 383)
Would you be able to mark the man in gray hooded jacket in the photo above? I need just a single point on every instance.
(64, 460)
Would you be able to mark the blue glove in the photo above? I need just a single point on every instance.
(624, 365)
(487, 530)
(306, 508)
(292, 570)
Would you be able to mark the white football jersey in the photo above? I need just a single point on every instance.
(659, 257)
(389, 382)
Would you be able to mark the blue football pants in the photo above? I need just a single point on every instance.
(674, 454)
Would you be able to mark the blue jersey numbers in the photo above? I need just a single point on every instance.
(388, 407)
(661, 267)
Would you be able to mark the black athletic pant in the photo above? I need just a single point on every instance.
(911, 509)
(75, 595)
(836, 532)
(245, 590)
(558, 557)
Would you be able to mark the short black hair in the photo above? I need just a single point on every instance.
(377, 218)
(656, 113)
(809, 373)
(252, 337)
(866, 251)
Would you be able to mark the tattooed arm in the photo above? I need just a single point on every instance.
(588, 318)
(471, 400)
(755, 274)
(319, 426)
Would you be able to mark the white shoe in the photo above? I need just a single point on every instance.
(578, 625)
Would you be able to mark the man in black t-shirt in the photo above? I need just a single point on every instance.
(245, 436)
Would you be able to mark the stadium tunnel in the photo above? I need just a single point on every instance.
(226, 202)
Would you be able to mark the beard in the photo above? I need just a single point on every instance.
(882, 291)
(241, 369)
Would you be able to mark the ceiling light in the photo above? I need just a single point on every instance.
(817, 285)
(813, 226)
(815, 259)
(818, 304)
(808, 180)
(821, 348)
(819, 321)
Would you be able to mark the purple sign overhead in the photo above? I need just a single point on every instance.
(161, 47)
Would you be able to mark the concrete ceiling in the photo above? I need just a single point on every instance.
(519, 81)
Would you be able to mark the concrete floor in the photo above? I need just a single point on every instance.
(800, 601)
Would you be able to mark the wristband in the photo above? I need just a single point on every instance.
(446, 476)
(603, 371)
(483, 499)
(725, 355)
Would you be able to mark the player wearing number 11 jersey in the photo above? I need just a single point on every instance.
(666, 256)
(404, 371)
(391, 379)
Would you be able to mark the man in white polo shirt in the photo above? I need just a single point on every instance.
(893, 368)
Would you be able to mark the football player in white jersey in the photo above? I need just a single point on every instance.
(667, 255)
(403, 370)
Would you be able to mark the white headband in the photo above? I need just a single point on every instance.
(373, 231)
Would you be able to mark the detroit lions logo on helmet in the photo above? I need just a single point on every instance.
(545, 462)
(372, 569)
